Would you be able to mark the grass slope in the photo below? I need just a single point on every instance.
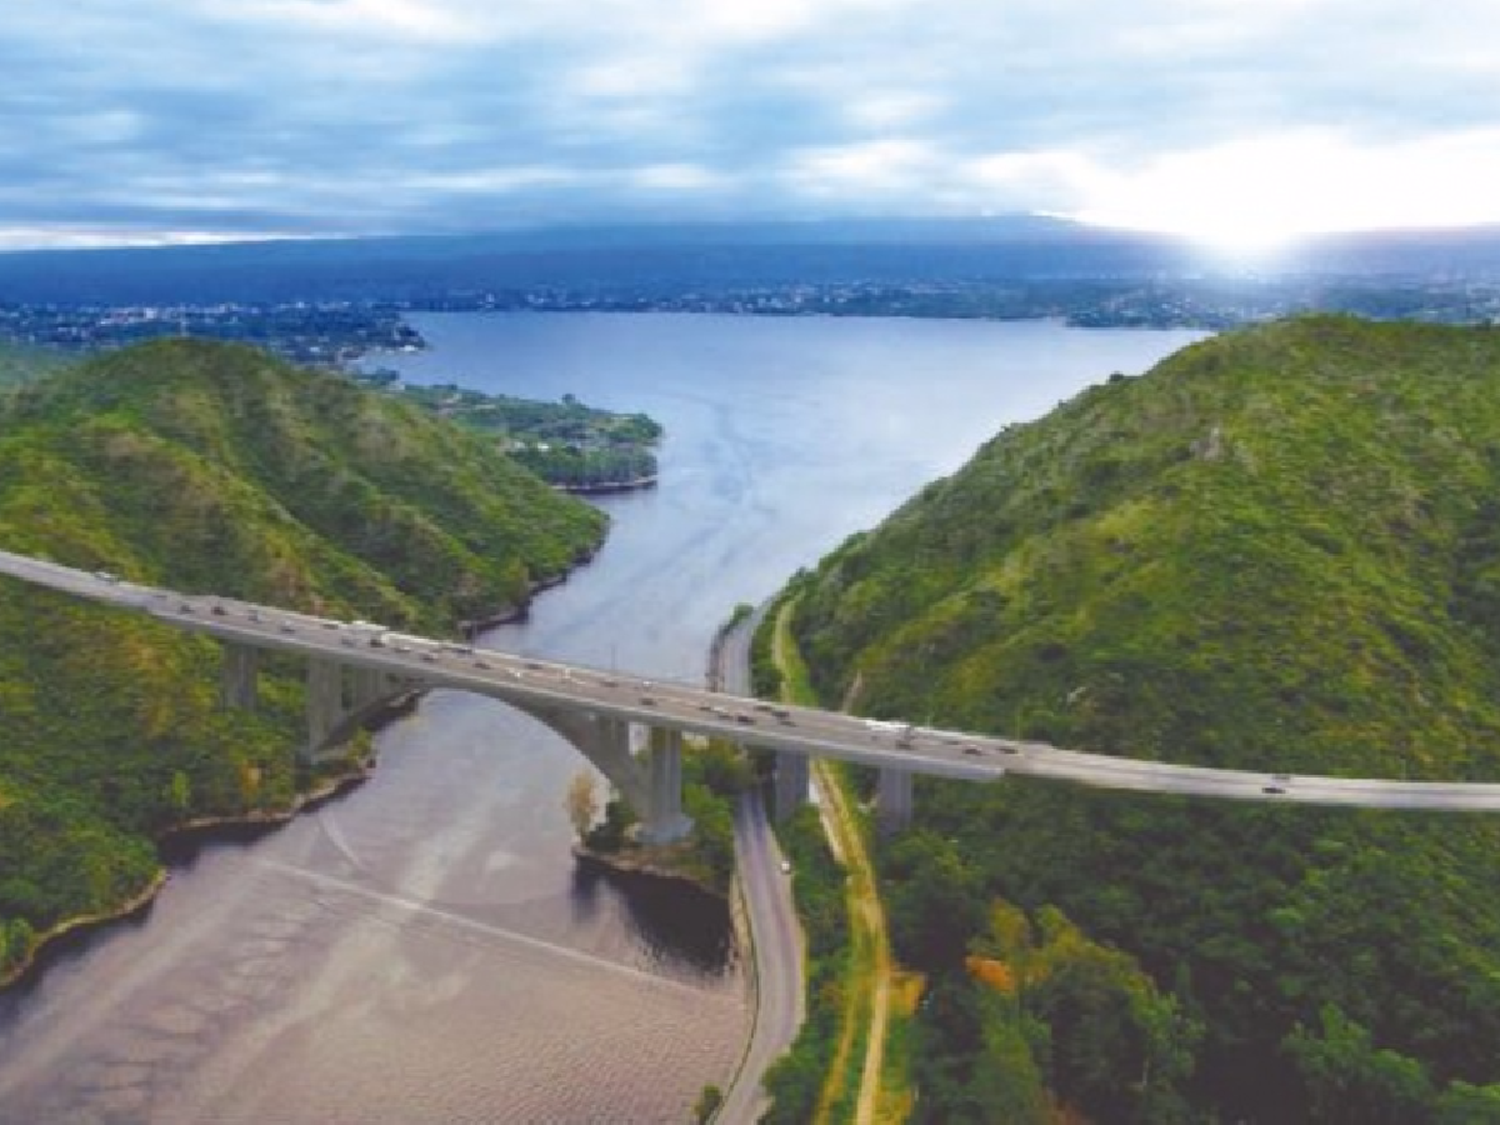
(213, 467)
(1277, 550)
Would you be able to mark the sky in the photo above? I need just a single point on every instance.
(1242, 122)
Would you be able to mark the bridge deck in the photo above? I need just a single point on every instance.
(798, 730)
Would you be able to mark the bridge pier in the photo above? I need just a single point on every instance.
(651, 784)
(325, 702)
(893, 804)
(792, 774)
(367, 685)
(238, 687)
(664, 822)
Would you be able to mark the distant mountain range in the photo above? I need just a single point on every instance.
(672, 259)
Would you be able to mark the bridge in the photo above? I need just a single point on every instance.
(631, 728)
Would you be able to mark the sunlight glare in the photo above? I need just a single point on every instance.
(1251, 199)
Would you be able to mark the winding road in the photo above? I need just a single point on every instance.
(775, 932)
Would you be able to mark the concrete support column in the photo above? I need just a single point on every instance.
(665, 820)
(610, 745)
(792, 774)
(893, 800)
(325, 700)
(241, 668)
(366, 685)
(607, 743)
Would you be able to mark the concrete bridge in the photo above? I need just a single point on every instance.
(631, 728)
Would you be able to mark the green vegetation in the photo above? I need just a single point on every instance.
(797, 1079)
(21, 364)
(714, 773)
(212, 467)
(1277, 551)
(565, 443)
(708, 1103)
(842, 1041)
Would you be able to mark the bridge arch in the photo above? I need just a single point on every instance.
(650, 783)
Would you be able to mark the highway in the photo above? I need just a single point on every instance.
(803, 730)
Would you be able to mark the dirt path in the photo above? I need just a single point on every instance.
(868, 914)
(870, 992)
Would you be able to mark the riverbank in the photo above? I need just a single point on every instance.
(223, 826)
(657, 863)
(50, 937)
(605, 487)
(195, 830)
(511, 614)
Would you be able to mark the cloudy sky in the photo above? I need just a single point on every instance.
(1239, 120)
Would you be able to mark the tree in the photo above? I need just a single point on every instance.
(708, 1103)
(582, 802)
(971, 1059)
(612, 834)
(179, 793)
(1463, 1104)
(1349, 1079)
(935, 905)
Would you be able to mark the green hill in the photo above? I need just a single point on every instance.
(1277, 550)
(213, 467)
(24, 363)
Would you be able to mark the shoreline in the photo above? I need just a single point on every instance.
(510, 614)
(199, 829)
(178, 835)
(605, 487)
(631, 864)
(79, 923)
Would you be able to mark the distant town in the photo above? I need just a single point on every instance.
(338, 333)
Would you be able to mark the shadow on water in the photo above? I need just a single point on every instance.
(681, 925)
(65, 949)
(181, 850)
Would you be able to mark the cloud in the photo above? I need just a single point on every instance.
(236, 118)
(402, 19)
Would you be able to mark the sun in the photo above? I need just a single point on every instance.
(1251, 200)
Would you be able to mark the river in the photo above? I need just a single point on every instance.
(423, 950)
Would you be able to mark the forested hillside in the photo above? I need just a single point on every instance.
(213, 467)
(1277, 550)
